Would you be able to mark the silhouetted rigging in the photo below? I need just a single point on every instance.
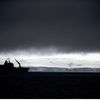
(9, 67)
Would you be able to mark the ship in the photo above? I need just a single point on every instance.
(9, 67)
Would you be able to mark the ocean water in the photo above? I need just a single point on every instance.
(55, 69)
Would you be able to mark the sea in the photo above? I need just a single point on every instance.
(51, 83)
(55, 69)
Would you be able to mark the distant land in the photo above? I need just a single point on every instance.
(55, 69)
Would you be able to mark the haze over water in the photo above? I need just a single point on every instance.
(52, 58)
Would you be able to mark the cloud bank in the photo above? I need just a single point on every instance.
(52, 58)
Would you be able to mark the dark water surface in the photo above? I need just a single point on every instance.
(50, 85)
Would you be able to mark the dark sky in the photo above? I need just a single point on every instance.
(66, 24)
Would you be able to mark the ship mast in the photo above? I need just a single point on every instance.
(18, 63)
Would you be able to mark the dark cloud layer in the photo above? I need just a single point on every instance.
(65, 24)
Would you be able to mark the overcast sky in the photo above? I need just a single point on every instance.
(66, 24)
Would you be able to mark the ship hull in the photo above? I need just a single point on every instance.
(13, 69)
(22, 69)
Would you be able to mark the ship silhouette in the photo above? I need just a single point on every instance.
(9, 67)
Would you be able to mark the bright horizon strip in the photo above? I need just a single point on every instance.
(53, 59)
